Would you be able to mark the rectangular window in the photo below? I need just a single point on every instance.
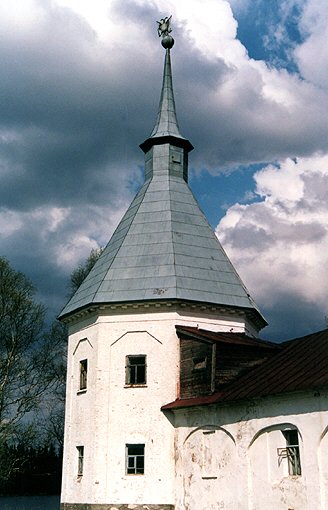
(199, 363)
(135, 459)
(83, 374)
(80, 459)
(291, 452)
(135, 369)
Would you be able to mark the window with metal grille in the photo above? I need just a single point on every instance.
(83, 374)
(135, 459)
(80, 460)
(291, 452)
(135, 369)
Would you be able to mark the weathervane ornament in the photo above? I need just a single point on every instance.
(164, 31)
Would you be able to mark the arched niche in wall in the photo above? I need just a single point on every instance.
(209, 459)
(275, 467)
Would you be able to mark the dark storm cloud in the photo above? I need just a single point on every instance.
(73, 108)
(67, 114)
(252, 128)
(291, 318)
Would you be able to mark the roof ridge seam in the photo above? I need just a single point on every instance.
(172, 240)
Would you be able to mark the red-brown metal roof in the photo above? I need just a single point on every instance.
(301, 364)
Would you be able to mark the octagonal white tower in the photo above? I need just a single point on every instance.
(162, 267)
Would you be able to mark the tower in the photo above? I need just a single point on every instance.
(162, 267)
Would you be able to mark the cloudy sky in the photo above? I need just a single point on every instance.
(79, 88)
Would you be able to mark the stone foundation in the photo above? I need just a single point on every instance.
(108, 506)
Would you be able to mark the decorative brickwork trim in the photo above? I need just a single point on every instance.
(108, 506)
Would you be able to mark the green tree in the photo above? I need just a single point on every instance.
(51, 419)
(22, 360)
(26, 361)
(82, 271)
(14, 444)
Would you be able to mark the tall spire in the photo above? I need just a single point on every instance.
(166, 127)
(166, 123)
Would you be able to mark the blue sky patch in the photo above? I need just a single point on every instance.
(270, 31)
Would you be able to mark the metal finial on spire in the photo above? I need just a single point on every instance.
(164, 29)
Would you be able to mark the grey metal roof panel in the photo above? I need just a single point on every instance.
(182, 250)
(149, 227)
(185, 228)
(154, 282)
(156, 196)
(134, 272)
(195, 240)
(203, 296)
(215, 287)
(182, 207)
(177, 195)
(122, 296)
(154, 216)
(194, 260)
(148, 239)
(153, 207)
(140, 251)
(160, 185)
(206, 275)
(147, 261)
(188, 218)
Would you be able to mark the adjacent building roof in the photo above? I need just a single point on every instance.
(164, 248)
(299, 365)
(225, 337)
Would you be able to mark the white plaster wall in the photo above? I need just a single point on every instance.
(323, 468)
(79, 413)
(244, 444)
(109, 415)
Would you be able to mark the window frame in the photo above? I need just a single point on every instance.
(291, 452)
(83, 381)
(132, 468)
(133, 370)
(80, 460)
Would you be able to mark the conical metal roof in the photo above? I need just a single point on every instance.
(164, 249)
